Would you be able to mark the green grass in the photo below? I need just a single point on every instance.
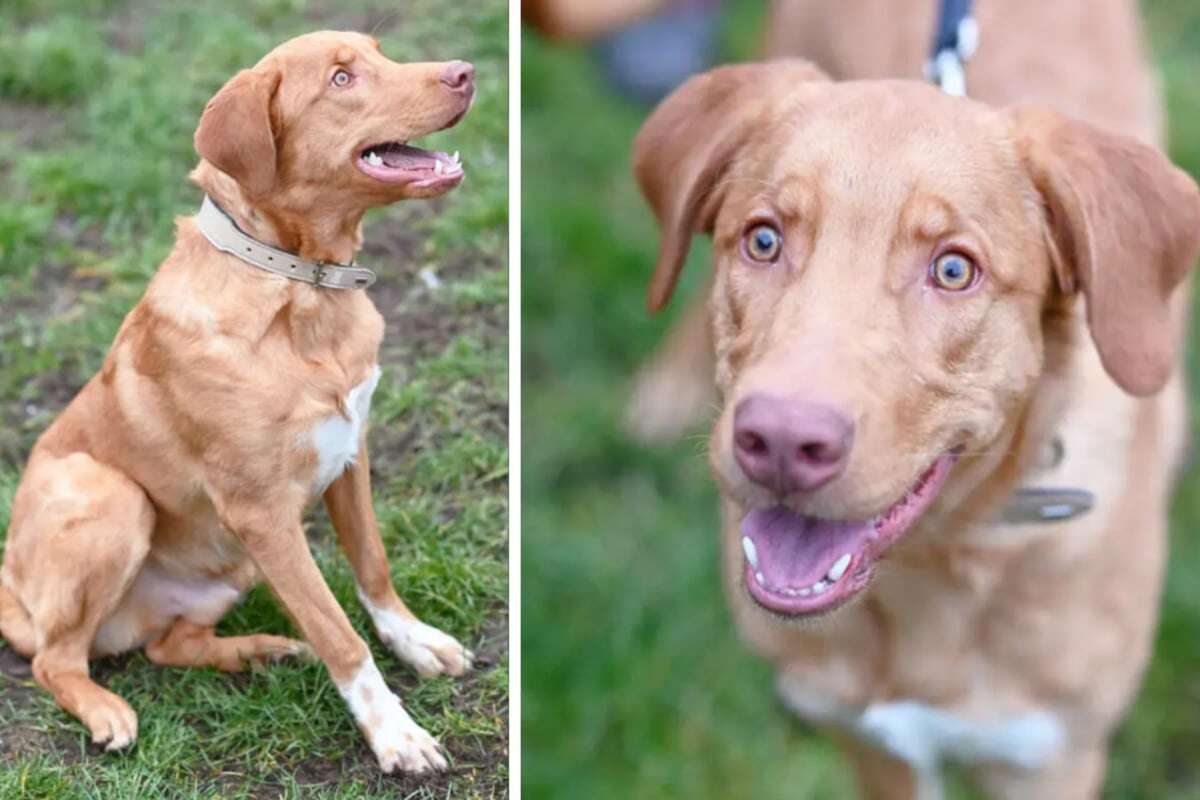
(98, 103)
(635, 684)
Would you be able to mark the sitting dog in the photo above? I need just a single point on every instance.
(927, 312)
(235, 393)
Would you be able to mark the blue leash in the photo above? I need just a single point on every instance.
(954, 43)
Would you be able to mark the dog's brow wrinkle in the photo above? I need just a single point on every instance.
(728, 181)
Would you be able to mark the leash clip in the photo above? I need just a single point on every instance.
(948, 66)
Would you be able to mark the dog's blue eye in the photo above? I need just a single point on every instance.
(953, 271)
(763, 243)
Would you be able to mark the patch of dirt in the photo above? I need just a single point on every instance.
(417, 323)
(30, 126)
(475, 765)
(17, 692)
(56, 290)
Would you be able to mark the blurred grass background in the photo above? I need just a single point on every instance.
(98, 103)
(634, 684)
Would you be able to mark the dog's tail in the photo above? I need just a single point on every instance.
(15, 625)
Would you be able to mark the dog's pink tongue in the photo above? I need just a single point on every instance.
(403, 156)
(794, 551)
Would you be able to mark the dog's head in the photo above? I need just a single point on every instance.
(886, 261)
(327, 118)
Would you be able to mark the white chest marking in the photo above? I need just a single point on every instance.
(924, 736)
(396, 740)
(337, 438)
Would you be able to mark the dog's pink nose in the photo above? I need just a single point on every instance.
(459, 76)
(788, 445)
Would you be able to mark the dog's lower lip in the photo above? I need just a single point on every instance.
(843, 553)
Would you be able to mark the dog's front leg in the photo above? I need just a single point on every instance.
(425, 648)
(280, 550)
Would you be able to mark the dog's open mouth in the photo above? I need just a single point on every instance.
(798, 565)
(400, 162)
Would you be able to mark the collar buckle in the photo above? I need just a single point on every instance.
(319, 274)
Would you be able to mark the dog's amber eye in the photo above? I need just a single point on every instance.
(953, 271)
(763, 243)
(341, 78)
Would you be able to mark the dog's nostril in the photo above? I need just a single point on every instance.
(814, 451)
(458, 75)
(751, 443)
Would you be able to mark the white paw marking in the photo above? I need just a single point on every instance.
(423, 647)
(396, 740)
(336, 438)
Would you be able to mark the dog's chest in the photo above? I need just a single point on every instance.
(925, 736)
(336, 438)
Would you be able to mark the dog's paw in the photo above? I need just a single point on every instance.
(423, 647)
(400, 743)
(110, 719)
(397, 741)
(272, 649)
(426, 649)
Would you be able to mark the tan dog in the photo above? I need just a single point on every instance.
(230, 399)
(914, 297)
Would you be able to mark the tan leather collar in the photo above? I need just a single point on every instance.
(224, 234)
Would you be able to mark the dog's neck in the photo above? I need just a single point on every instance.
(327, 326)
(317, 237)
(986, 482)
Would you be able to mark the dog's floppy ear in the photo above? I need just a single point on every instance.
(1124, 227)
(235, 132)
(683, 148)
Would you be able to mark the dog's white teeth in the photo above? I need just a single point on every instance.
(838, 569)
(762, 580)
(373, 159)
(455, 158)
(437, 167)
(751, 551)
(805, 592)
(821, 586)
